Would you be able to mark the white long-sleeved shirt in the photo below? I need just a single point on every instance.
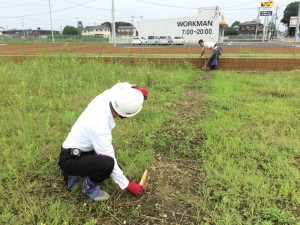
(93, 130)
(208, 45)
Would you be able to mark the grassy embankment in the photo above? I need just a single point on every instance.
(248, 155)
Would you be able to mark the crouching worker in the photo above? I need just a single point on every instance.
(215, 52)
(88, 152)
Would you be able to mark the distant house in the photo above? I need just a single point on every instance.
(44, 33)
(1, 30)
(236, 27)
(100, 30)
(30, 33)
(250, 27)
(18, 33)
(126, 31)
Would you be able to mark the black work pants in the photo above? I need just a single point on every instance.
(97, 167)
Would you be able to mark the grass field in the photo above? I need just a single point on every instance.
(58, 39)
(221, 148)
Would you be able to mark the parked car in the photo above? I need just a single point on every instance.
(153, 40)
(178, 40)
(139, 41)
(165, 40)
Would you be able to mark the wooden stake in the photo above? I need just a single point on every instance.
(143, 180)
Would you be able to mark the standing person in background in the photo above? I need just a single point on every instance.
(215, 52)
(87, 152)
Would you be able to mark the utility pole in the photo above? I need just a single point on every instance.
(51, 21)
(298, 23)
(23, 27)
(77, 27)
(276, 17)
(268, 28)
(257, 22)
(264, 30)
(113, 27)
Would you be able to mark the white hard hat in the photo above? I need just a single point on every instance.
(128, 102)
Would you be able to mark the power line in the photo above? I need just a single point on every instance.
(43, 13)
(235, 3)
(90, 7)
(123, 13)
(13, 6)
(242, 4)
(173, 6)
(237, 9)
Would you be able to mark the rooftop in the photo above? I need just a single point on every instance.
(126, 27)
(248, 23)
(95, 27)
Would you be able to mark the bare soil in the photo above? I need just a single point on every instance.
(170, 177)
(34, 49)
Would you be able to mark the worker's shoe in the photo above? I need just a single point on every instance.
(93, 191)
(72, 183)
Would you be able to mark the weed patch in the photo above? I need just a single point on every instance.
(221, 148)
(40, 101)
(250, 148)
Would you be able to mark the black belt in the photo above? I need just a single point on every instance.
(72, 151)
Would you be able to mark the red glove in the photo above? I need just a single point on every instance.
(143, 90)
(135, 188)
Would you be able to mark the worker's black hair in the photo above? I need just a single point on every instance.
(200, 41)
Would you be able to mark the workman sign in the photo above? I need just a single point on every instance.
(267, 4)
(197, 27)
(204, 26)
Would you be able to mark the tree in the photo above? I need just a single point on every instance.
(290, 10)
(70, 30)
(235, 23)
(107, 24)
(117, 24)
(230, 31)
(79, 27)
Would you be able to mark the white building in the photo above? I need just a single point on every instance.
(1, 30)
(207, 25)
(96, 31)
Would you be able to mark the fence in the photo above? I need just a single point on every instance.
(99, 46)
(81, 39)
(242, 50)
(59, 39)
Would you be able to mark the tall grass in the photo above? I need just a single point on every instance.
(249, 173)
(40, 101)
(252, 141)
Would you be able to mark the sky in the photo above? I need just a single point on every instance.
(27, 14)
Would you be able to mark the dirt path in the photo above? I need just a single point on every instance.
(173, 177)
